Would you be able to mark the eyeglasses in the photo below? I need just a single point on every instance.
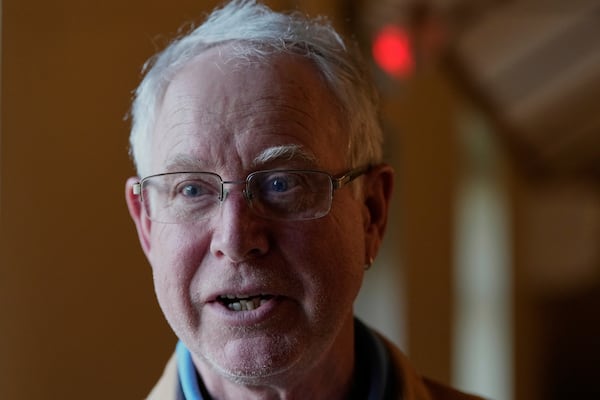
(291, 195)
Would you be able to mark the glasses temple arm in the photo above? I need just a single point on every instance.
(350, 176)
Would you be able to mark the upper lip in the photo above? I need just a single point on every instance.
(250, 284)
(240, 294)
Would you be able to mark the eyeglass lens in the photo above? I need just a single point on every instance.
(277, 194)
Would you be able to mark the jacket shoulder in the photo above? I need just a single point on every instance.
(414, 385)
(167, 386)
(438, 391)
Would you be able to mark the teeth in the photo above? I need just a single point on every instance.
(246, 304)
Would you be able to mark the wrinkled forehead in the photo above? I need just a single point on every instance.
(221, 101)
(232, 68)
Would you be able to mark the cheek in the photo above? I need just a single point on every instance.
(177, 248)
(328, 253)
(175, 255)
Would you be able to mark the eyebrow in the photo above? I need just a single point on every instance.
(289, 152)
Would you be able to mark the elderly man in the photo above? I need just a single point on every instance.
(262, 201)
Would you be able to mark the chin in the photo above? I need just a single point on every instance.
(255, 361)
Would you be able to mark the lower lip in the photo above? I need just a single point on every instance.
(245, 318)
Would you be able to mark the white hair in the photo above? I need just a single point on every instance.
(258, 32)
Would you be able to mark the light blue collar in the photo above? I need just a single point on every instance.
(187, 374)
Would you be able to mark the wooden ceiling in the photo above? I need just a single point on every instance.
(534, 65)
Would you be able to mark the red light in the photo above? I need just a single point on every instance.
(392, 51)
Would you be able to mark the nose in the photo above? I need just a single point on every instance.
(239, 235)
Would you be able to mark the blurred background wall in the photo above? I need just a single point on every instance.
(490, 274)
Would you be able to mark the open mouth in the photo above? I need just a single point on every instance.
(236, 303)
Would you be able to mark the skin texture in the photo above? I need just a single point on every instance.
(219, 114)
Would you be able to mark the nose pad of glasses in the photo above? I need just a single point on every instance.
(246, 194)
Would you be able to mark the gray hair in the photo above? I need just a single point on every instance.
(259, 32)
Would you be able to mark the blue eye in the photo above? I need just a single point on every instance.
(191, 190)
(278, 184)
(196, 189)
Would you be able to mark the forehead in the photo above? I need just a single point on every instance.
(227, 112)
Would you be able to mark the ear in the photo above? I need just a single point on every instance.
(136, 210)
(377, 192)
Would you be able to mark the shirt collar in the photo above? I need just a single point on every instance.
(188, 378)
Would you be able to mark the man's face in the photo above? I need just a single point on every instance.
(227, 118)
